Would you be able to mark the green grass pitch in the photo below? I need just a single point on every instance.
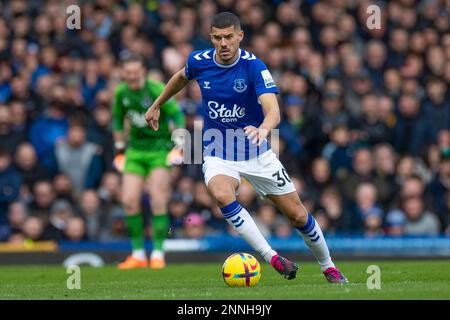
(399, 280)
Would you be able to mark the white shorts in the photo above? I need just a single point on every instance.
(266, 173)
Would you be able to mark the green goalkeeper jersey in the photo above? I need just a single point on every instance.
(134, 105)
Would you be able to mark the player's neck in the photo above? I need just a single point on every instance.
(231, 61)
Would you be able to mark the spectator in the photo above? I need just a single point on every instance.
(372, 127)
(110, 194)
(410, 131)
(376, 56)
(437, 107)
(10, 181)
(60, 213)
(332, 114)
(368, 213)
(90, 210)
(439, 187)
(178, 210)
(360, 85)
(334, 210)
(19, 119)
(395, 223)
(339, 151)
(246, 195)
(419, 221)
(99, 132)
(362, 172)
(385, 159)
(282, 229)
(33, 228)
(78, 159)
(392, 83)
(194, 226)
(64, 189)
(17, 215)
(265, 219)
(45, 131)
(75, 230)
(27, 164)
(291, 127)
(9, 139)
(319, 179)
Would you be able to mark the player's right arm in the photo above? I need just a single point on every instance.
(175, 84)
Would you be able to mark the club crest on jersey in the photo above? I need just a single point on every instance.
(146, 102)
(239, 85)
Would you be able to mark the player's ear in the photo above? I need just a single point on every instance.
(241, 35)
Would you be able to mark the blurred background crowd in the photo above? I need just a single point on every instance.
(365, 131)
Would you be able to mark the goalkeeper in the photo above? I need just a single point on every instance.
(146, 159)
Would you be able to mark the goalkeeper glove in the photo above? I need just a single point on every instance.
(119, 156)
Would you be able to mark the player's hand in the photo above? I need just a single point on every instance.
(175, 157)
(256, 135)
(119, 156)
(152, 117)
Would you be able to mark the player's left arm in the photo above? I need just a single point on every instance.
(272, 118)
(266, 90)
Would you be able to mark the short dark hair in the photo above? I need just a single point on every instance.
(132, 58)
(224, 20)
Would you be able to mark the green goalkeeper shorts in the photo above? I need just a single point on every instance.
(142, 163)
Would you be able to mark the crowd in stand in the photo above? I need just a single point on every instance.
(365, 131)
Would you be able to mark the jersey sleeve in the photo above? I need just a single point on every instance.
(118, 111)
(189, 68)
(262, 79)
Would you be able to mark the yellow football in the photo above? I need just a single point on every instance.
(241, 270)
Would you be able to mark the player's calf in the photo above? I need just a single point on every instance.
(297, 215)
(292, 208)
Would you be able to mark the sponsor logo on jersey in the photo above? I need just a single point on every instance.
(206, 85)
(239, 85)
(225, 114)
(268, 80)
(137, 118)
(125, 102)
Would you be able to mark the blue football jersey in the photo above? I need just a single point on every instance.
(230, 102)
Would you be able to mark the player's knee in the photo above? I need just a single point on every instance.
(159, 202)
(160, 195)
(130, 205)
(222, 196)
(298, 216)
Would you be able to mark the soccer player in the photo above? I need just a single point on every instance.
(238, 93)
(145, 159)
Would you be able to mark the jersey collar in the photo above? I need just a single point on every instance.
(226, 65)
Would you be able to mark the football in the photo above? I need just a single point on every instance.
(241, 270)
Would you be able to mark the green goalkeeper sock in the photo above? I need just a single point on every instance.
(160, 229)
(135, 224)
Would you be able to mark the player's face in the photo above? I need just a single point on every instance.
(226, 42)
(133, 74)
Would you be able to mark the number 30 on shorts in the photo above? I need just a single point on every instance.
(281, 177)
